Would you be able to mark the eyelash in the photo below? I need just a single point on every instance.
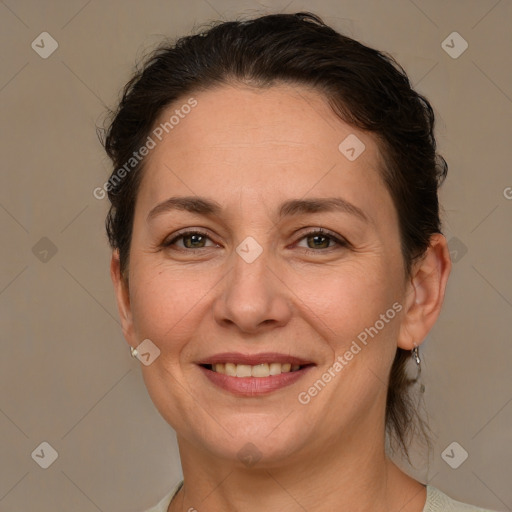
(341, 242)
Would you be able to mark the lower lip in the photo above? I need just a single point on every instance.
(254, 386)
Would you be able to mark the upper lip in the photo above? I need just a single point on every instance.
(254, 359)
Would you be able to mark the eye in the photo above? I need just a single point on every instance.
(191, 240)
(321, 239)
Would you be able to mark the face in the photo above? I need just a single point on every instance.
(240, 270)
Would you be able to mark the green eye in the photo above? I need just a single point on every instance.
(320, 239)
(191, 240)
(317, 241)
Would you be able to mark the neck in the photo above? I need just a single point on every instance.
(345, 475)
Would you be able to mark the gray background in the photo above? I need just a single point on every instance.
(65, 371)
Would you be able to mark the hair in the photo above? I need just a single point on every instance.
(366, 88)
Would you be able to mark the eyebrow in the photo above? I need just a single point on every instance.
(204, 206)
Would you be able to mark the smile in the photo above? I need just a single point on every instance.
(249, 376)
(257, 371)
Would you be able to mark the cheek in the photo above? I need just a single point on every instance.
(165, 303)
(347, 299)
(352, 309)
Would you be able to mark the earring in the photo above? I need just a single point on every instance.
(415, 353)
(134, 352)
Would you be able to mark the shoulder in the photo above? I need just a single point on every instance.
(437, 501)
(163, 504)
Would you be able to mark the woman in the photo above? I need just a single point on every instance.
(277, 261)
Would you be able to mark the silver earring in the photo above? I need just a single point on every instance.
(415, 353)
(134, 352)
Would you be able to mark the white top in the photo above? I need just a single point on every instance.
(437, 501)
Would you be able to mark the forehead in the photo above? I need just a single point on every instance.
(271, 142)
(244, 117)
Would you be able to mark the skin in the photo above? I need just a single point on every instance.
(251, 149)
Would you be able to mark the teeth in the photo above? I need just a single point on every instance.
(243, 370)
(259, 370)
(220, 368)
(230, 369)
(277, 368)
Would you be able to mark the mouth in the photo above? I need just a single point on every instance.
(254, 375)
(257, 371)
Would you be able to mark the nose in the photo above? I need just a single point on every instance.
(253, 296)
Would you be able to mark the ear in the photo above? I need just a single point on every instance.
(123, 298)
(424, 293)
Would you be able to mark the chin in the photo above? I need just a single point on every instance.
(257, 444)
